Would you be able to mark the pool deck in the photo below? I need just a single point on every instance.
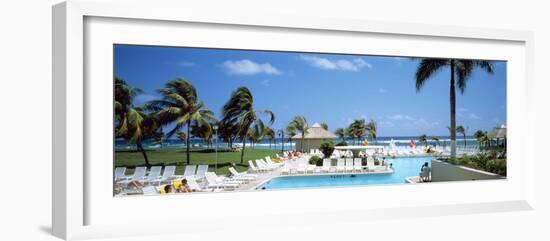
(414, 180)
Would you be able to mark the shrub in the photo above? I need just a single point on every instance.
(481, 160)
(315, 160)
(327, 148)
(376, 162)
(496, 166)
(341, 143)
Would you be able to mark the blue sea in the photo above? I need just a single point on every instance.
(278, 145)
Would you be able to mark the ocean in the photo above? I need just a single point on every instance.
(277, 144)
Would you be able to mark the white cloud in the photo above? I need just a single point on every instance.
(465, 112)
(401, 117)
(339, 64)
(382, 91)
(473, 116)
(362, 63)
(248, 67)
(386, 124)
(186, 64)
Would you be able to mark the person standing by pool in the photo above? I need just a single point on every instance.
(425, 172)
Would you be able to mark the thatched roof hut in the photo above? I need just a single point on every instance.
(498, 133)
(313, 138)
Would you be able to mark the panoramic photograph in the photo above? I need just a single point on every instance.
(193, 120)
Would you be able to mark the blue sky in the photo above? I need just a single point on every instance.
(330, 88)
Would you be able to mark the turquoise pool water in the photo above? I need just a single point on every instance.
(403, 167)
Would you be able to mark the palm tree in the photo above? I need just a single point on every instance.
(132, 123)
(351, 133)
(204, 131)
(480, 137)
(181, 136)
(324, 126)
(290, 132)
(239, 111)
(299, 123)
(357, 129)
(270, 134)
(340, 132)
(180, 106)
(227, 132)
(372, 129)
(423, 138)
(257, 133)
(461, 70)
(460, 129)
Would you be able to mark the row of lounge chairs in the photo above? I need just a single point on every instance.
(154, 175)
(342, 166)
(211, 182)
(263, 165)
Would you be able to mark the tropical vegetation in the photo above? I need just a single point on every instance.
(299, 123)
(460, 71)
(240, 111)
(181, 106)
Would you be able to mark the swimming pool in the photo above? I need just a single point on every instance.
(403, 167)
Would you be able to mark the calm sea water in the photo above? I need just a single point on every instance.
(277, 144)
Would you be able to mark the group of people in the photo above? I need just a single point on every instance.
(294, 154)
(180, 186)
(177, 187)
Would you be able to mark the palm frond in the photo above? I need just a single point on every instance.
(426, 68)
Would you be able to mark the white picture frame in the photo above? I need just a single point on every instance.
(73, 192)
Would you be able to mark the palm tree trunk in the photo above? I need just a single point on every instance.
(188, 141)
(464, 135)
(242, 150)
(453, 110)
(302, 143)
(140, 148)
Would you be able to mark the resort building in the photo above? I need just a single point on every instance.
(313, 139)
(498, 136)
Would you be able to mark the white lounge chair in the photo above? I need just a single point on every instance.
(201, 171)
(120, 173)
(301, 169)
(139, 175)
(189, 171)
(370, 165)
(326, 165)
(340, 165)
(285, 170)
(241, 176)
(263, 166)
(271, 162)
(252, 167)
(150, 190)
(168, 174)
(310, 168)
(349, 165)
(357, 164)
(213, 182)
(195, 186)
(154, 174)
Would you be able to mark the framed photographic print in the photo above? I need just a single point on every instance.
(261, 116)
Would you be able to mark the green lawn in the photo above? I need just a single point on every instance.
(178, 157)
